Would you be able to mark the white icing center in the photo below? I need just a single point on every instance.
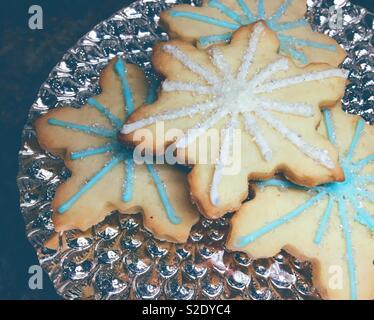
(236, 97)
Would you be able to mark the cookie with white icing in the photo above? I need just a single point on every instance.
(331, 225)
(246, 87)
(216, 20)
(104, 175)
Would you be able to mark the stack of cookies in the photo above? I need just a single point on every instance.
(250, 96)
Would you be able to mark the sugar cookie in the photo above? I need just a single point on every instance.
(216, 20)
(331, 225)
(104, 175)
(244, 86)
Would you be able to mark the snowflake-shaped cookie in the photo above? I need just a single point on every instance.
(332, 224)
(104, 174)
(216, 20)
(247, 87)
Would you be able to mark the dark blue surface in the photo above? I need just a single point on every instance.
(26, 58)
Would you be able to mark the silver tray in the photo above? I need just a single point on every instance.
(118, 259)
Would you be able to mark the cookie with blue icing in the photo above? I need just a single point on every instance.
(104, 176)
(265, 106)
(331, 224)
(216, 20)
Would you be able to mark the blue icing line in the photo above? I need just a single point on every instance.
(324, 221)
(173, 218)
(365, 219)
(225, 10)
(361, 215)
(129, 180)
(246, 11)
(93, 151)
(329, 126)
(281, 11)
(294, 53)
(306, 43)
(120, 68)
(298, 55)
(219, 38)
(288, 25)
(364, 162)
(356, 138)
(278, 222)
(349, 251)
(96, 131)
(95, 179)
(205, 19)
(278, 183)
(106, 112)
(261, 10)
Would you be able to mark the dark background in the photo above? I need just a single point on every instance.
(26, 58)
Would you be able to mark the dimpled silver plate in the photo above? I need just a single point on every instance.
(118, 258)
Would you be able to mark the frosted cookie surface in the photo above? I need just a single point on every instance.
(331, 225)
(216, 21)
(104, 175)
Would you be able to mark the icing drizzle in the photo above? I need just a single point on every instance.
(350, 192)
(121, 155)
(228, 94)
(288, 44)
